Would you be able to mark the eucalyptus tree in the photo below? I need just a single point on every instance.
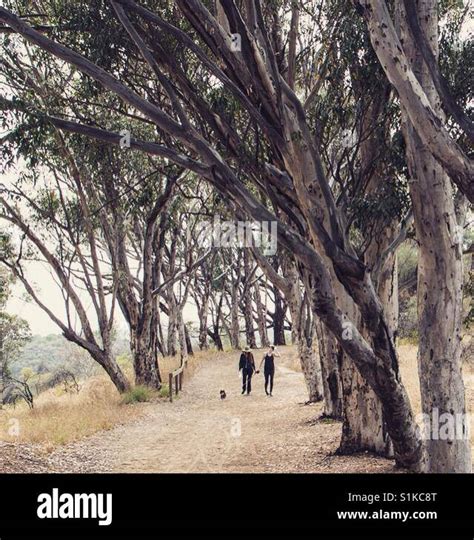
(129, 228)
(14, 331)
(234, 116)
(276, 121)
(54, 227)
(358, 126)
(97, 195)
(201, 294)
(438, 135)
(440, 252)
(132, 198)
(413, 93)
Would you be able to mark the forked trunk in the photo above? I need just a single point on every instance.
(216, 338)
(363, 426)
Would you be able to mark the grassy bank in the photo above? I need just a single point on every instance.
(61, 417)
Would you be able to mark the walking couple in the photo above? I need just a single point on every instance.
(247, 366)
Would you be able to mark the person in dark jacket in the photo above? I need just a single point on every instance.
(269, 369)
(247, 366)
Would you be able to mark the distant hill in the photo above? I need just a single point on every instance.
(42, 353)
(47, 353)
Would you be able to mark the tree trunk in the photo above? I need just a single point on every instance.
(311, 367)
(387, 289)
(234, 331)
(172, 326)
(146, 368)
(181, 334)
(247, 304)
(303, 331)
(279, 319)
(189, 345)
(363, 426)
(439, 279)
(145, 362)
(113, 371)
(160, 339)
(248, 319)
(420, 103)
(261, 317)
(216, 338)
(3, 369)
(2, 387)
(203, 313)
(330, 355)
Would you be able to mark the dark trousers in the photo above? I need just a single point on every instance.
(269, 379)
(247, 381)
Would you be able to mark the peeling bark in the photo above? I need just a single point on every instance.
(330, 355)
(439, 274)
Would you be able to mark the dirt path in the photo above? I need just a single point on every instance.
(199, 432)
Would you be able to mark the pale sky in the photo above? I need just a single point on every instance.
(50, 294)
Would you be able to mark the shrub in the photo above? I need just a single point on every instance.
(58, 420)
(138, 394)
(327, 420)
(164, 391)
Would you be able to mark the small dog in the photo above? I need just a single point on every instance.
(223, 394)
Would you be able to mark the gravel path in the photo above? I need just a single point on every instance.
(199, 432)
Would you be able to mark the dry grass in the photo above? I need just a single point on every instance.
(409, 371)
(170, 363)
(407, 351)
(60, 418)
